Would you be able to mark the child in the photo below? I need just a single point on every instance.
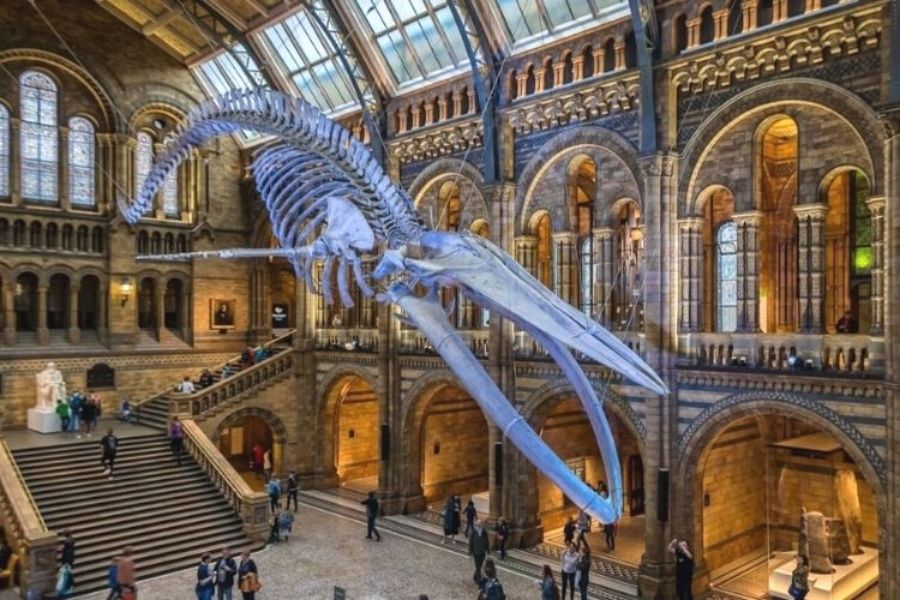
(285, 523)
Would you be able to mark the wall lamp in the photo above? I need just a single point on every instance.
(125, 289)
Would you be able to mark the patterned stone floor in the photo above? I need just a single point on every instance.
(329, 550)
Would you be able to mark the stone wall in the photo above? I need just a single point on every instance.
(357, 434)
(454, 448)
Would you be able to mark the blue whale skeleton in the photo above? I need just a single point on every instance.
(317, 180)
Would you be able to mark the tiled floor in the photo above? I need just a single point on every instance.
(329, 550)
(629, 541)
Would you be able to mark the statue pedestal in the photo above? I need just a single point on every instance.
(43, 420)
(847, 581)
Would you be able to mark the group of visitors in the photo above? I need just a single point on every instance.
(79, 414)
(281, 521)
(218, 578)
(261, 461)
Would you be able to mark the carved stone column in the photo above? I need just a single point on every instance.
(73, 332)
(812, 5)
(620, 54)
(43, 334)
(749, 9)
(442, 108)
(15, 161)
(473, 105)
(63, 185)
(184, 315)
(721, 21)
(402, 125)
(102, 313)
(748, 269)
(526, 253)
(160, 306)
(9, 313)
(811, 265)
(599, 54)
(693, 31)
(521, 85)
(779, 10)
(577, 68)
(691, 245)
(539, 75)
(876, 211)
(564, 265)
(604, 248)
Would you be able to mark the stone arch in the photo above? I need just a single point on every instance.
(842, 104)
(703, 196)
(831, 175)
(468, 179)
(697, 440)
(275, 424)
(327, 400)
(572, 140)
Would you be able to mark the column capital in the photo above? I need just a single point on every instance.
(564, 236)
(526, 240)
(752, 217)
(691, 222)
(603, 232)
(875, 204)
(814, 211)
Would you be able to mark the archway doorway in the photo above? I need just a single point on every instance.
(356, 434)
(563, 425)
(242, 438)
(758, 475)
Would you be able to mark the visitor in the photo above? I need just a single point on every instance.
(491, 589)
(846, 324)
(176, 438)
(248, 577)
(267, 464)
(206, 379)
(67, 548)
(76, 402)
(583, 577)
(447, 520)
(256, 458)
(478, 548)
(225, 569)
(371, 503)
(457, 514)
(470, 514)
(569, 531)
(259, 354)
(684, 569)
(549, 591)
(502, 536)
(609, 532)
(126, 411)
(110, 445)
(65, 582)
(205, 579)
(800, 579)
(247, 358)
(112, 581)
(273, 488)
(62, 409)
(125, 573)
(584, 527)
(568, 567)
(227, 371)
(89, 414)
(186, 386)
(293, 488)
(285, 524)
(274, 530)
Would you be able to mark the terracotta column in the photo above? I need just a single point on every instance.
(15, 161)
(539, 79)
(620, 54)
(521, 85)
(693, 31)
(749, 9)
(473, 104)
(876, 207)
(43, 334)
(604, 249)
(442, 108)
(564, 264)
(9, 313)
(102, 310)
(748, 269)
(160, 292)
(74, 333)
(721, 20)
(526, 253)
(599, 54)
(577, 68)
(811, 265)
(691, 264)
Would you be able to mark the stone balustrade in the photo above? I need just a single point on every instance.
(849, 354)
(25, 530)
(252, 507)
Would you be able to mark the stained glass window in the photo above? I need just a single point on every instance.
(81, 163)
(303, 51)
(726, 277)
(39, 138)
(417, 38)
(528, 19)
(4, 151)
(171, 206)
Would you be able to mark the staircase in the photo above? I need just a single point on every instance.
(170, 515)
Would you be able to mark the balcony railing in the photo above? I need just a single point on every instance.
(846, 354)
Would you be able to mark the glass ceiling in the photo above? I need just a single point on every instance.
(418, 39)
(223, 73)
(529, 19)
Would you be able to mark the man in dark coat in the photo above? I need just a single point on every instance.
(478, 548)
(371, 504)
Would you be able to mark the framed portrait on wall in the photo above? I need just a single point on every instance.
(221, 314)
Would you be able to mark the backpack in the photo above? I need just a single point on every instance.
(493, 590)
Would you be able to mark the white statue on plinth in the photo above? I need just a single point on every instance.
(50, 388)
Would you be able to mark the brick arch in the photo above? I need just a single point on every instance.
(159, 94)
(844, 105)
(327, 409)
(442, 168)
(279, 431)
(567, 141)
(703, 430)
(167, 109)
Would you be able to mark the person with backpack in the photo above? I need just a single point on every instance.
(583, 576)
(225, 569)
(549, 591)
(76, 402)
(112, 578)
(285, 524)
(274, 490)
(206, 578)
(491, 588)
(110, 445)
(248, 577)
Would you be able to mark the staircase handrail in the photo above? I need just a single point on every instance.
(25, 528)
(171, 389)
(251, 506)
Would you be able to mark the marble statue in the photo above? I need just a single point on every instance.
(50, 388)
(331, 203)
(846, 493)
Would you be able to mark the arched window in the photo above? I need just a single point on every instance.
(627, 299)
(581, 190)
(81, 163)
(587, 62)
(450, 207)
(764, 13)
(4, 152)
(39, 137)
(735, 17)
(143, 158)
(82, 239)
(707, 26)
(609, 56)
(543, 231)
(52, 236)
(726, 277)
(795, 8)
(529, 81)
(680, 30)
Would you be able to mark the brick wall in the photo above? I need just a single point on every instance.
(456, 428)
(357, 443)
